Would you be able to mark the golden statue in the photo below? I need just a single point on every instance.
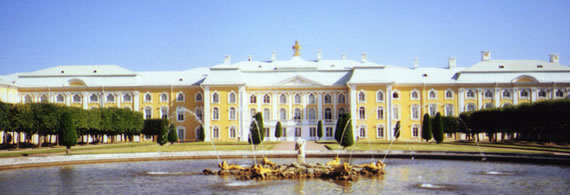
(334, 162)
(296, 49)
(225, 166)
(266, 161)
(378, 166)
(260, 170)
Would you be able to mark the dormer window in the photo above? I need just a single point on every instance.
(501, 66)
(539, 66)
(94, 71)
(62, 71)
(424, 75)
(180, 79)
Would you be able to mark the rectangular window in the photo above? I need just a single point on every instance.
(284, 130)
(297, 132)
(414, 132)
(329, 132)
(267, 132)
(313, 132)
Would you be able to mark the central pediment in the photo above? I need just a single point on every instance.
(298, 81)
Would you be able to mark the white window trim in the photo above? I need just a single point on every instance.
(263, 99)
(196, 111)
(474, 94)
(123, 97)
(359, 115)
(178, 113)
(300, 114)
(219, 114)
(358, 96)
(309, 99)
(280, 114)
(338, 98)
(107, 98)
(503, 94)
(162, 94)
(283, 95)
(556, 90)
(91, 101)
(309, 115)
(452, 110)
(72, 98)
(452, 94)
(325, 115)
(429, 110)
(183, 134)
(235, 97)
(434, 92)
(230, 115)
(265, 117)
(412, 131)
(383, 113)
(365, 131)
(196, 97)
(145, 95)
(383, 96)
(213, 134)
(467, 106)
(412, 112)
(56, 98)
(183, 97)
(399, 94)
(528, 92)
(383, 131)
(492, 94)
(330, 97)
(417, 92)
(545, 96)
(399, 112)
(230, 132)
(144, 112)
(167, 111)
(253, 95)
(212, 98)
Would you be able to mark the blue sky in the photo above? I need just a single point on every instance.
(179, 35)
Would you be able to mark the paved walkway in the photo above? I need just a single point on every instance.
(289, 145)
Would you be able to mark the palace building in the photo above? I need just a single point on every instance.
(297, 92)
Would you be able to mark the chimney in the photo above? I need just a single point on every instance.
(452, 63)
(485, 55)
(364, 59)
(249, 58)
(554, 58)
(319, 56)
(343, 57)
(273, 56)
(416, 62)
(227, 60)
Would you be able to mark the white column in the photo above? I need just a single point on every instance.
(136, 101)
(274, 103)
(388, 112)
(101, 99)
(334, 112)
(207, 113)
(533, 94)
(461, 98)
(497, 98)
(320, 105)
(242, 110)
(515, 96)
(479, 98)
(119, 99)
(353, 106)
(85, 100)
(67, 99)
(290, 101)
(304, 103)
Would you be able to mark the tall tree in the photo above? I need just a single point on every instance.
(426, 128)
(320, 129)
(4, 119)
(347, 138)
(397, 130)
(68, 133)
(172, 136)
(201, 133)
(162, 132)
(256, 129)
(437, 127)
(278, 130)
(340, 124)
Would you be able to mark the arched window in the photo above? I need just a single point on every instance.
(164, 112)
(297, 114)
(266, 114)
(283, 99)
(147, 112)
(180, 97)
(488, 105)
(199, 114)
(215, 98)
(27, 99)
(181, 133)
(396, 112)
(380, 131)
(297, 99)
(232, 114)
(506, 93)
(93, 98)
(266, 99)
(253, 99)
(43, 99)
(232, 98)
(341, 99)
(127, 98)
(361, 97)
(432, 109)
(110, 98)
(252, 112)
(312, 114)
(163, 97)
(328, 99)
(488, 94)
(232, 133)
(470, 107)
(432, 95)
(415, 95)
(415, 112)
(282, 114)
(180, 115)
(215, 132)
(362, 113)
(449, 94)
(395, 95)
(340, 112)
(559, 93)
(147, 97)
(380, 112)
(216, 114)
(362, 132)
(76, 98)
(379, 96)
(542, 93)
(328, 114)
(311, 99)
(59, 98)
(470, 94)
(449, 110)
(525, 93)
(198, 97)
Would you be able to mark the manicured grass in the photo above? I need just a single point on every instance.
(450, 147)
(134, 148)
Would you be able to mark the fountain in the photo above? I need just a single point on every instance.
(300, 147)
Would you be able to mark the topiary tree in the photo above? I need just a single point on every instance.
(68, 132)
(397, 130)
(162, 137)
(426, 128)
(278, 130)
(201, 133)
(172, 135)
(320, 129)
(256, 129)
(347, 138)
(340, 123)
(437, 127)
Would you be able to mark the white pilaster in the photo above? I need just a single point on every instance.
(320, 105)
(119, 98)
(136, 101)
(479, 98)
(497, 98)
(242, 110)
(67, 99)
(515, 96)
(533, 94)
(334, 109)
(274, 104)
(353, 106)
(85, 100)
(388, 113)
(207, 112)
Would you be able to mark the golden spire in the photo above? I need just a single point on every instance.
(296, 49)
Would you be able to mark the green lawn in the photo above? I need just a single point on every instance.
(452, 147)
(134, 148)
